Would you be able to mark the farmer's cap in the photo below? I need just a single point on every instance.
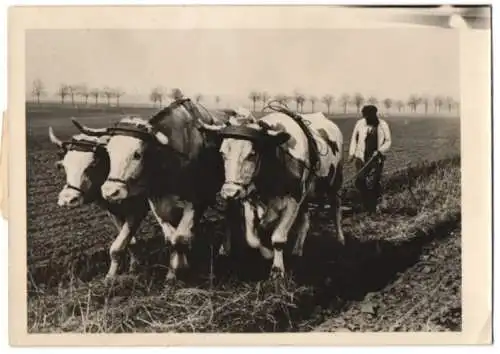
(369, 110)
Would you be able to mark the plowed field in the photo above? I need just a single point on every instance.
(395, 265)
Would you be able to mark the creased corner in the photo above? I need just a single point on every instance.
(485, 334)
(4, 169)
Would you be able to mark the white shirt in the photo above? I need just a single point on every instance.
(357, 147)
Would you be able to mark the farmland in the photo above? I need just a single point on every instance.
(400, 269)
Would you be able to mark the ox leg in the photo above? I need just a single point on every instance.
(233, 218)
(302, 229)
(253, 240)
(134, 260)
(337, 219)
(336, 200)
(181, 240)
(225, 247)
(128, 228)
(132, 245)
(161, 210)
(280, 236)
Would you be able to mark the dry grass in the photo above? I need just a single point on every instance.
(328, 281)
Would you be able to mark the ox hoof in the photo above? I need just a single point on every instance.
(298, 252)
(171, 277)
(277, 273)
(109, 279)
(223, 252)
(133, 268)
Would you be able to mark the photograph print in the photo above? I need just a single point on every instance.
(244, 180)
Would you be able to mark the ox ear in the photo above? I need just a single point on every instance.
(278, 137)
(161, 138)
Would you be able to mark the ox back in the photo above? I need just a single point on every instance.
(190, 166)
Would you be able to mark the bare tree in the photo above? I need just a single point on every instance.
(413, 102)
(153, 97)
(438, 103)
(118, 93)
(425, 101)
(313, 100)
(84, 93)
(328, 101)
(108, 93)
(38, 90)
(95, 93)
(63, 92)
(198, 97)
(372, 100)
(450, 102)
(388, 103)
(157, 94)
(254, 96)
(264, 97)
(217, 100)
(400, 104)
(344, 101)
(299, 99)
(358, 101)
(72, 92)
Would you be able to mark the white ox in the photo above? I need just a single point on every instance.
(86, 166)
(267, 167)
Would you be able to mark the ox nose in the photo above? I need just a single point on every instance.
(69, 199)
(112, 192)
(231, 191)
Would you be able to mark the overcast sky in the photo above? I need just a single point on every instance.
(388, 62)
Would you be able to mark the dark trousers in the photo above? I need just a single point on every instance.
(368, 182)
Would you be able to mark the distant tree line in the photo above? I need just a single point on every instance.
(347, 103)
(79, 94)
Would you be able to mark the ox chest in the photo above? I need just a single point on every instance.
(197, 179)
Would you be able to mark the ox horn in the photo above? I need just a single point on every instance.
(89, 131)
(54, 139)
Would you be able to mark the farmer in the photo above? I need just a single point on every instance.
(370, 141)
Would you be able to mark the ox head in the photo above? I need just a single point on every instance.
(85, 163)
(244, 141)
(128, 148)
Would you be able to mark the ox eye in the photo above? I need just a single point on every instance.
(59, 165)
(137, 155)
